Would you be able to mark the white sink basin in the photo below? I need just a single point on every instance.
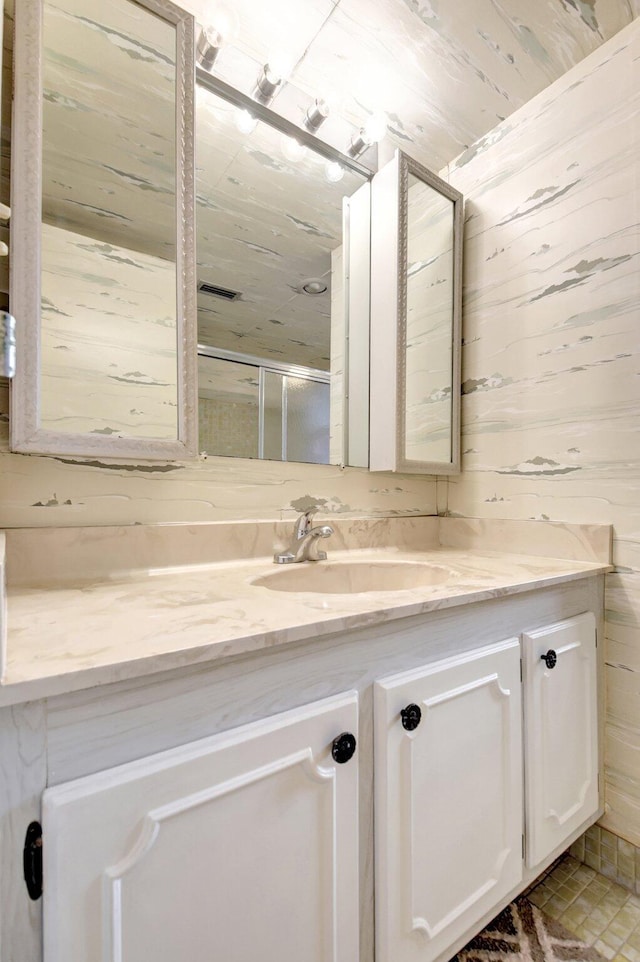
(352, 577)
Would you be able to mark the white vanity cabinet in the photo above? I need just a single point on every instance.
(240, 846)
(199, 813)
(448, 799)
(451, 828)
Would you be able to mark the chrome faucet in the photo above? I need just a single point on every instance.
(304, 544)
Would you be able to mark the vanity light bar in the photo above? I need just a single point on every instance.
(261, 112)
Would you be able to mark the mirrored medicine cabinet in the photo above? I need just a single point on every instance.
(132, 344)
(416, 307)
(102, 266)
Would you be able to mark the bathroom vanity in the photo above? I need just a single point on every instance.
(243, 788)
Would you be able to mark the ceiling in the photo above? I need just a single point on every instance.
(444, 71)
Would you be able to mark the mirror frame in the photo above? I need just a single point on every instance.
(389, 245)
(27, 436)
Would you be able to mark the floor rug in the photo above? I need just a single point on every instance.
(524, 933)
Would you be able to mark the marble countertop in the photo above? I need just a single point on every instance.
(66, 636)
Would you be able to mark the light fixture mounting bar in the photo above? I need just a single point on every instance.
(278, 122)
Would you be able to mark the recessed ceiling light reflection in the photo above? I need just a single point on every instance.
(334, 172)
(314, 286)
(245, 122)
(292, 149)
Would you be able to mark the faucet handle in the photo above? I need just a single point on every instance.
(303, 524)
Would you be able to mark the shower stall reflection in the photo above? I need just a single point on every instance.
(248, 408)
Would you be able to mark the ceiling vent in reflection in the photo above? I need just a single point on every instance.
(214, 291)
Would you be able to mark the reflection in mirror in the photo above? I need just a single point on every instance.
(228, 407)
(114, 251)
(108, 248)
(429, 324)
(247, 410)
(271, 300)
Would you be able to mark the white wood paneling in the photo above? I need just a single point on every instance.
(561, 732)
(23, 773)
(550, 405)
(242, 846)
(448, 800)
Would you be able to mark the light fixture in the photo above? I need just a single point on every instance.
(267, 84)
(316, 115)
(372, 133)
(333, 172)
(222, 27)
(245, 122)
(208, 47)
(314, 286)
(281, 64)
(272, 76)
(376, 128)
(292, 149)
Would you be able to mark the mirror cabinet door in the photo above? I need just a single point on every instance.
(415, 320)
(103, 259)
(283, 289)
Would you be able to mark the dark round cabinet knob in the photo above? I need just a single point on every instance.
(411, 716)
(550, 659)
(343, 747)
(32, 860)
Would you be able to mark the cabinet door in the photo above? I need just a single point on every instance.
(239, 847)
(448, 800)
(561, 725)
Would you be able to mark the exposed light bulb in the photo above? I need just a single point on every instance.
(333, 172)
(280, 66)
(375, 128)
(224, 18)
(373, 131)
(293, 150)
(245, 122)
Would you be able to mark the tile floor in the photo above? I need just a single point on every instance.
(596, 909)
